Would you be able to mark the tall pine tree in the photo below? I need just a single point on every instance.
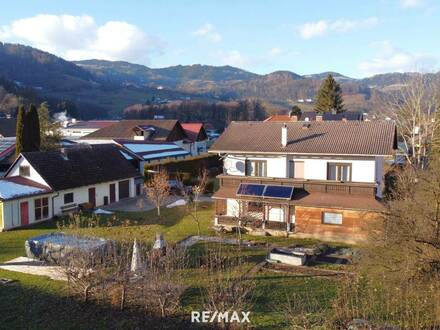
(329, 97)
(33, 128)
(19, 130)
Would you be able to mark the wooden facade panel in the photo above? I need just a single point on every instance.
(309, 220)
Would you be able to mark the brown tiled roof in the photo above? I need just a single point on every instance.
(314, 199)
(93, 124)
(81, 166)
(311, 116)
(164, 129)
(326, 137)
(354, 202)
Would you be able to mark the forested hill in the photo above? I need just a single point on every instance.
(102, 89)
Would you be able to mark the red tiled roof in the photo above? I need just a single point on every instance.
(192, 130)
(282, 118)
(26, 182)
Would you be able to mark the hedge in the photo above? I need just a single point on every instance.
(188, 168)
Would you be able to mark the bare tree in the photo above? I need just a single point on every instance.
(192, 197)
(157, 189)
(406, 244)
(162, 281)
(85, 270)
(413, 107)
(228, 288)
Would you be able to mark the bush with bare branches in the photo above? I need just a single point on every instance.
(192, 196)
(228, 288)
(157, 189)
(162, 281)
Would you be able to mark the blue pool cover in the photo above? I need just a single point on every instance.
(56, 245)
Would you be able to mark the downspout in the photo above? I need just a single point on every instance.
(53, 207)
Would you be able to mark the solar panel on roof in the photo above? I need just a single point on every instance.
(250, 189)
(283, 192)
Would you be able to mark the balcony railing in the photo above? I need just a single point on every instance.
(327, 186)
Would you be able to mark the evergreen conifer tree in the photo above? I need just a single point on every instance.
(19, 130)
(329, 97)
(33, 129)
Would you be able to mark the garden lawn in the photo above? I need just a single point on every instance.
(36, 302)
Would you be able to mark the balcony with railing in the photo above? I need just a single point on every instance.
(326, 186)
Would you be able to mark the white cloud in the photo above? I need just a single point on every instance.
(391, 59)
(411, 3)
(233, 58)
(80, 37)
(320, 28)
(209, 32)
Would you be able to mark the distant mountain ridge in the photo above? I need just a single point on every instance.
(173, 76)
(99, 87)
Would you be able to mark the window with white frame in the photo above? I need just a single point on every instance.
(332, 218)
(256, 167)
(276, 214)
(41, 206)
(339, 171)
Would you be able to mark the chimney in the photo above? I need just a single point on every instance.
(284, 135)
(318, 117)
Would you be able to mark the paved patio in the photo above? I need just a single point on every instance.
(140, 203)
(34, 267)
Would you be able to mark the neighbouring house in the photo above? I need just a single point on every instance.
(8, 127)
(141, 130)
(145, 152)
(7, 153)
(40, 185)
(308, 179)
(197, 135)
(313, 116)
(77, 129)
(154, 132)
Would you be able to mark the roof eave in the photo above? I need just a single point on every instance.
(293, 153)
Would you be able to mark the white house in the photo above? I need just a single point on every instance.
(77, 129)
(40, 185)
(320, 178)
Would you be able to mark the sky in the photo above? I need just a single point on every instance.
(354, 38)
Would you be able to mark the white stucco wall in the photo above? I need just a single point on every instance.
(34, 176)
(81, 194)
(276, 166)
(12, 215)
(314, 168)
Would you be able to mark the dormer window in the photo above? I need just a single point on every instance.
(25, 170)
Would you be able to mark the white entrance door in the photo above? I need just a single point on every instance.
(232, 208)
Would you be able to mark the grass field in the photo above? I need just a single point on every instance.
(36, 302)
